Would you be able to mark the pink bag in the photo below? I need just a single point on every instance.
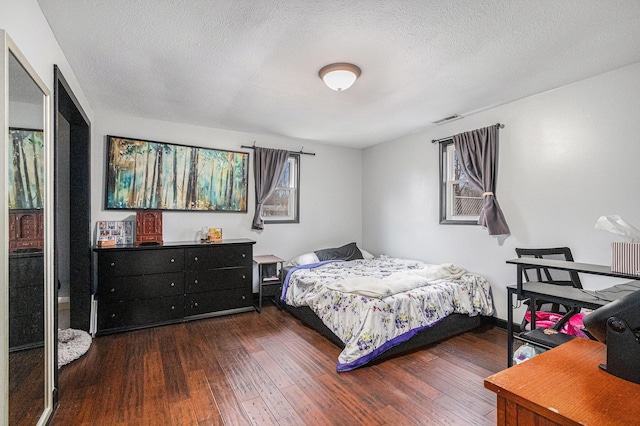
(572, 327)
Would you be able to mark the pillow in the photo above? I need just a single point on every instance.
(366, 254)
(346, 252)
(303, 259)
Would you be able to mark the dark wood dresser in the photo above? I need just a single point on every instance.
(26, 300)
(142, 286)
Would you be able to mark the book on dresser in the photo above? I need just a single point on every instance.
(143, 286)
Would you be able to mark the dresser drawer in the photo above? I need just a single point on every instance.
(116, 289)
(26, 330)
(139, 312)
(211, 257)
(139, 262)
(217, 279)
(26, 270)
(26, 300)
(203, 303)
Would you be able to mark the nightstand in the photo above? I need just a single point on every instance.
(269, 268)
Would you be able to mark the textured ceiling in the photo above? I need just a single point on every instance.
(253, 65)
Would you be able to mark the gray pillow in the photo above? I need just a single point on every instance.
(346, 252)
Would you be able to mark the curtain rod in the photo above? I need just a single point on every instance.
(498, 125)
(290, 152)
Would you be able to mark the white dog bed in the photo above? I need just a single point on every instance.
(72, 344)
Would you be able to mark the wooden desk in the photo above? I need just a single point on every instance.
(565, 386)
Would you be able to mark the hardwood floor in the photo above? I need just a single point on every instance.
(26, 386)
(270, 369)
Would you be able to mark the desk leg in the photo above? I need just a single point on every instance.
(510, 327)
(259, 288)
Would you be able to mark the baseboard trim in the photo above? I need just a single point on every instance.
(500, 323)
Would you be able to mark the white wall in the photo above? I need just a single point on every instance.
(567, 156)
(330, 181)
(26, 25)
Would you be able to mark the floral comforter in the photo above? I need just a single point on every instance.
(368, 325)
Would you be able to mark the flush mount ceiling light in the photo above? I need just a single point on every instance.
(339, 76)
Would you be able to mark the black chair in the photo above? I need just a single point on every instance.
(546, 275)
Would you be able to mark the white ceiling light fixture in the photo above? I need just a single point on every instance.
(339, 76)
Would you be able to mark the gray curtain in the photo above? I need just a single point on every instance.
(477, 154)
(269, 164)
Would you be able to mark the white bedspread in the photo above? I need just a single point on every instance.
(370, 325)
(398, 282)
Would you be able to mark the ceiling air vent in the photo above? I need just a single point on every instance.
(450, 118)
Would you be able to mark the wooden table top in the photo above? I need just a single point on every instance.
(567, 383)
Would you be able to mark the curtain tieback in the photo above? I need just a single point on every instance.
(484, 194)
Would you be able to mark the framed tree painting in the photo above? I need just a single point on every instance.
(144, 174)
(26, 169)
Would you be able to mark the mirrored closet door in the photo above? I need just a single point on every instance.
(26, 257)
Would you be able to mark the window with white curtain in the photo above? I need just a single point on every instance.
(460, 202)
(283, 205)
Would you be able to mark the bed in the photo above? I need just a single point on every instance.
(377, 307)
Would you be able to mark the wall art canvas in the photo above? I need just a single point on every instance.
(26, 169)
(145, 174)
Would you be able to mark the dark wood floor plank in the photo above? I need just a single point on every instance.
(391, 416)
(240, 381)
(306, 409)
(269, 368)
(446, 376)
(228, 404)
(174, 374)
(182, 413)
(360, 406)
(204, 404)
(326, 402)
(394, 369)
(469, 410)
(258, 412)
(478, 352)
(314, 358)
(156, 411)
(288, 365)
(26, 384)
(272, 369)
(268, 390)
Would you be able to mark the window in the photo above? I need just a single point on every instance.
(460, 202)
(283, 205)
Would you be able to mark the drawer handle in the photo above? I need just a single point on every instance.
(173, 308)
(244, 276)
(173, 284)
(113, 315)
(243, 297)
(244, 255)
(113, 290)
(195, 281)
(113, 264)
(195, 259)
(173, 260)
(195, 304)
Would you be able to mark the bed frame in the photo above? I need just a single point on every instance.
(450, 326)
